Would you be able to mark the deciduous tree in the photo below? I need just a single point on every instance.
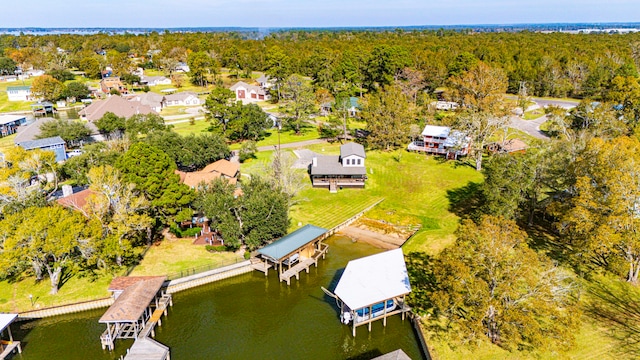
(388, 116)
(490, 285)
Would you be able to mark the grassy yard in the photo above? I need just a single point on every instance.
(14, 296)
(409, 199)
(6, 142)
(185, 128)
(592, 343)
(533, 114)
(175, 255)
(9, 106)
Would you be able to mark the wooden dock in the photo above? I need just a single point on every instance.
(149, 328)
(8, 348)
(259, 265)
(304, 265)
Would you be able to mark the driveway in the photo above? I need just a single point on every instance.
(531, 127)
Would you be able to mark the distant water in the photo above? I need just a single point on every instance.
(261, 32)
(245, 317)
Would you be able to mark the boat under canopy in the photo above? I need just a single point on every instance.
(373, 288)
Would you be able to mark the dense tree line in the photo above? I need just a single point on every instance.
(557, 64)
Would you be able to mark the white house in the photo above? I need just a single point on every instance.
(249, 93)
(443, 141)
(446, 105)
(185, 98)
(265, 81)
(155, 80)
(182, 67)
(19, 93)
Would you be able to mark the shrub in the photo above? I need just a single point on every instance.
(212, 248)
(175, 230)
(247, 255)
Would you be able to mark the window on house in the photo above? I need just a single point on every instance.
(359, 161)
(348, 160)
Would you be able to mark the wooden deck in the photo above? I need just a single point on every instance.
(259, 265)
(9, 348)
(149, 328)
(303, 265)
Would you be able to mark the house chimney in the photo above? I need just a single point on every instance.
(67, 190)
(314, 161)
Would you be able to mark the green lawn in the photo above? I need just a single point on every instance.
(592, 343)
(6, 142)
(185, 128)
(533, 114)
(9, 106)
(14, 297)
(414, 187)
(175, 255)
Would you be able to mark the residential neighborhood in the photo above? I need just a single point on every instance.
(360, 193)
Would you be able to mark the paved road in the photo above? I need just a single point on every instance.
(292, 145)
(531, 127)
(567, 104)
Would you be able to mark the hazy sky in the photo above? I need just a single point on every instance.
(312, 13)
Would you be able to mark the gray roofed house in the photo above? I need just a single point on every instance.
(30, 131)
(55, 144)
(114, 104)
(352, 148)
(346, 170)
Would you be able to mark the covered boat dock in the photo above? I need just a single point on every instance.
(293, 253)
(373, 288)
(7, 346)
(140, 303)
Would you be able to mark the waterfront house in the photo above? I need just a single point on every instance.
(19, 93)
(346, 170)
(222, 168)
(441, 140)
(9, 123)
(55, 144)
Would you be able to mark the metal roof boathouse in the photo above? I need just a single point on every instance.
(373, 288)
(296, 251)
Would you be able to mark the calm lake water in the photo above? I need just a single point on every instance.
(245, 317)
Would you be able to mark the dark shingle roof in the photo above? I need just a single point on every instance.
(40, 143)
(330, 165)
(352, 148)
(291, 242)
